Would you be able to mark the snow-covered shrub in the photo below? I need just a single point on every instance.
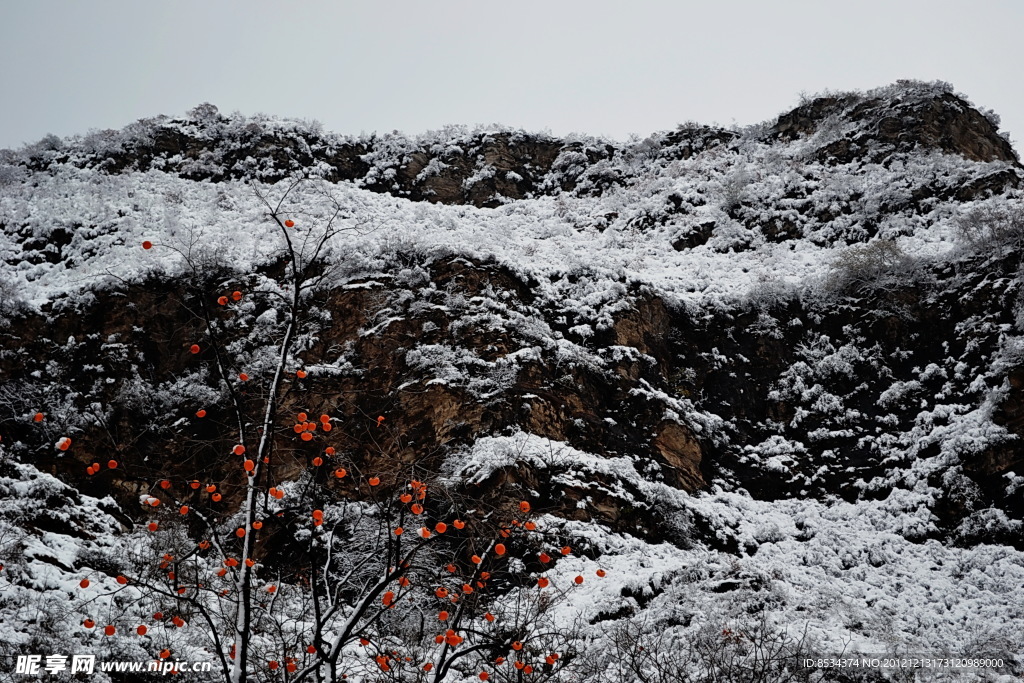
(734, 187)
(991, 227)
(769, 292)
(879, 266)
(725, 649)
(10, 298)
(10, 171)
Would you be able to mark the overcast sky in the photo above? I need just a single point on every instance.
(594, 66)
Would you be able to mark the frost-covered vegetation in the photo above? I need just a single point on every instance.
(766, 379)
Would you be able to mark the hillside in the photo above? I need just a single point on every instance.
(770, 380)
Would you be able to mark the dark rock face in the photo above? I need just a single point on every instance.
(880, 127)
(736, 364)
(951, 125)
(994, 465)
(515, 170)
(483, 169)
(804, 120)
(908, 336)
(145, 332)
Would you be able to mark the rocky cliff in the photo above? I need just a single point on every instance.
(809, 330)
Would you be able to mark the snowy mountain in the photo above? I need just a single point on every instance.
(770, 381)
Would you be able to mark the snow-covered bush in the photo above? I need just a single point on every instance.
(879, 266)
(991, 228)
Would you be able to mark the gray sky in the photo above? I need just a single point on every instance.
(598, 67)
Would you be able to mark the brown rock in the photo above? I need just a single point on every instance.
(681, 452)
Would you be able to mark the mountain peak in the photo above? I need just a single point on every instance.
(905, 116)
